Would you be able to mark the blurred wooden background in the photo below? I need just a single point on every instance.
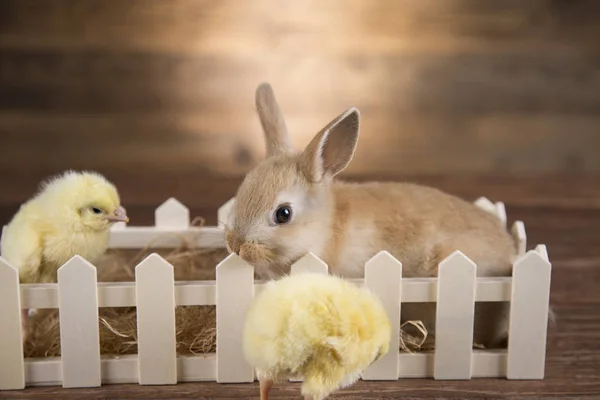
(149, 89)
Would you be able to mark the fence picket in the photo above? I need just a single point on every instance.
(309, 263)
(454, 320)
(12, 367)
(235, 290)
(383, 276)
(78, 316)
(529, 317)
(485, 204)
(223, 213)
(501, 212)
(520, 237)
(172, 214)
(155, 297)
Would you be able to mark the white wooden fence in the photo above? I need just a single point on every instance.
(77, 295)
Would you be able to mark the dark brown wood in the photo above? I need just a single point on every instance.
(562, 212)
(461, 85)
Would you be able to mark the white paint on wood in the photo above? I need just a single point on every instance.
(383, 276)
(520, 237)
(2, 238)
(454, 319)
(235, 290)
(118, 226)
(190, 293)
(501, 212)
(124, 369)
(309, 263)
(529, 317)
(172, 214)
(155, 296)
(223, 213)
(46, 372)
(542, 251)
(485, 204)
(78, 316)
(12, 367)
(485, 364)
(136, 237)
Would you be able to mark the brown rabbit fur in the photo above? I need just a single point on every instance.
(345, 224)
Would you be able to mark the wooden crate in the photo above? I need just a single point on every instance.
(78, 296)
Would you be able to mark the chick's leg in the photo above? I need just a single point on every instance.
(265, 386)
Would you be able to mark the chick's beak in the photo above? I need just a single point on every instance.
(120, 215)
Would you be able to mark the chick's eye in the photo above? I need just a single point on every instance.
(283, 214)
(96, 210)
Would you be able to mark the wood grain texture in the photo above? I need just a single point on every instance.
(559, 211)
(460, 86)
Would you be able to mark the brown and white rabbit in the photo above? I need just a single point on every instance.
(290, 204)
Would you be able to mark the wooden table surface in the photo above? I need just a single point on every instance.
(562, 212)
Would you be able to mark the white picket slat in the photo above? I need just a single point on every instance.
(485, 204)
(309, 263)
(501, 212)
(78, 316)
(223, 213)
(520, 237)
(529, 317)
(383, 276)
(542, 251)
(235, 290)
(12, 366)
(155, 296)
(454, 320)
(172, 214)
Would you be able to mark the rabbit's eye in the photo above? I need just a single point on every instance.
(283, 214)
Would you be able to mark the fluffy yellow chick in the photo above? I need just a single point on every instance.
(322, 328)
(70, 215)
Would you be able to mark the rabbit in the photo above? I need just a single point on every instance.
(290, 204)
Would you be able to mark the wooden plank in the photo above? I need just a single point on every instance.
(486, 364)
(485, 204)
(189, 293)
(479, 144)
(135, 237)
(501, 212)
(235, 290)
(383, 276)
(529, 317)
(309, 263)
(155, 297)
(455, 313)
(388, 26)
(223, 213)
(78, 319)
(440, 83)
(12, 370)
(46, 372)
(520, 237)
(172, 214)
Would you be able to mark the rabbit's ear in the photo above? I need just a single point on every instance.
(330, 151)
(272, 121)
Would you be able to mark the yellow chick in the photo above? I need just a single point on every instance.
(319, 327)
(70, 215)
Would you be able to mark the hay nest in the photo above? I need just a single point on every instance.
(195, 325)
